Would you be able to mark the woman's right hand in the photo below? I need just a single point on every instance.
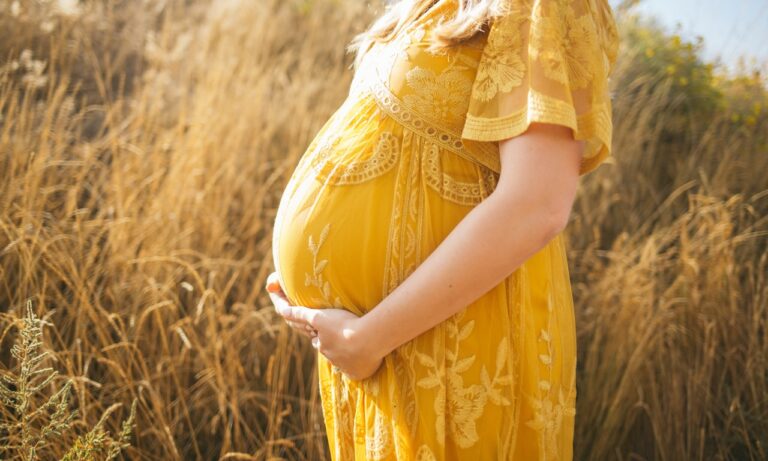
(280, 300)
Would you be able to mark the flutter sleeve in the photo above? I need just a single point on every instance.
(547, 61)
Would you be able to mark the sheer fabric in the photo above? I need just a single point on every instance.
(547, 61)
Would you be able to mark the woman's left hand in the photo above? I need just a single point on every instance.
(339, 338)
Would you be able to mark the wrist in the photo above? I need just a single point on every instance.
(369, 337)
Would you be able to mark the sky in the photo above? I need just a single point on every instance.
(730, 28)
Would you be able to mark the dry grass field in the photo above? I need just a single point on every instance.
(143, 149)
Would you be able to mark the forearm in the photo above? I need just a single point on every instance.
(490, 243)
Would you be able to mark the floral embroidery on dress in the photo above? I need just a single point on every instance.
(465, 404)
(378, 442)
(564, 43)
(501, 67)
(550, 410)
(425, 454)
(549, 415)
(387, 54)
(338, 403)
(316, 278)
(441, 94)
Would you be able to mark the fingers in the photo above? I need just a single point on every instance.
(272, 278)
(299, 318)
(302, 314)
(273, 283)
(275, 290)
(280, 302)
(302, 328)
(276, 294)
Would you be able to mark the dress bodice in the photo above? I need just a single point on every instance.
(436, 85)
(427, 92)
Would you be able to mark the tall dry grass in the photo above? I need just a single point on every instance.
(144, 152)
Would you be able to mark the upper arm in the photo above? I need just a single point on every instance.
(542, 165)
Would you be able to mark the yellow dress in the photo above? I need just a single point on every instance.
(407, 155)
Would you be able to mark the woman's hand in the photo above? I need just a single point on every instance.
(280, 300)
(335, 333)
(339, 338)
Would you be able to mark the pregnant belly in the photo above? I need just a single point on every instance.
(330, 242)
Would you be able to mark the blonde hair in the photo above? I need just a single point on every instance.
(472, 17)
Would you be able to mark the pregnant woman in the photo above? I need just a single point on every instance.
(419, 240)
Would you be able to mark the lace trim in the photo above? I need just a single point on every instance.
(594, 126)
(461, 192)
(385, 155)
(540, 108)
(425, 126)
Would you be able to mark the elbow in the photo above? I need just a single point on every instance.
(555, 221)
(556, 205)
(553, 217)
(548, 214)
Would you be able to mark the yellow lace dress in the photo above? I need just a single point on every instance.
(405, 157)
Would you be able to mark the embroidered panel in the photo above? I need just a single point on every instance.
(462, 192)
(385, 155)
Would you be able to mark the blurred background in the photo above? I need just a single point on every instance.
(144, 146)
